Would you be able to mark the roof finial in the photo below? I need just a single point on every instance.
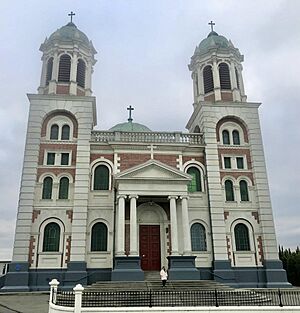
(212, 25)
(71, 14)
(130, 108)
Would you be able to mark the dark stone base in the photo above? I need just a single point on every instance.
(127, 268)
(223, 273)
(75, 274)
(275, 275)
(182, 268)
(17, 277)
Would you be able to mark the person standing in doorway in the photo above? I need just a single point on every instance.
(163, 276)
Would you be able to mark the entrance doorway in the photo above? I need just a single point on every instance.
(150, 247)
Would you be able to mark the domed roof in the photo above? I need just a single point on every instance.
(69, 33)
(213, 41)
(130, 127)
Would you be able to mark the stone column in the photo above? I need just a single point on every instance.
(234, 86)
(73, 74)
(54, 77)
(120, 240)
(43, 75)
(133, 226)
(217, 84)
(174, 231)
(185, 226)
(88, 79)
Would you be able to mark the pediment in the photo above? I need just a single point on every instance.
(153, 170)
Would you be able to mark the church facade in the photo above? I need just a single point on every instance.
(114, 204)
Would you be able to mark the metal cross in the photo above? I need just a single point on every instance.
(130, 108)
(212, 25)
(71, 14)
(152, 147)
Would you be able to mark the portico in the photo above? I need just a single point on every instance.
(152, 203)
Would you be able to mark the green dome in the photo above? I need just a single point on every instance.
(69, 33)
(213, 41)
(130, 127)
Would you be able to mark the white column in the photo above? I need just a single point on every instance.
(216, 77)
(234, 86)
(43, 76)
(120, 240)
(73, 74)
(200, 84)
(54, 77)
(185, 226)
(174, 231)
(133, 226)
(88, 78)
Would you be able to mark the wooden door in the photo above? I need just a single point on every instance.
(150, 247)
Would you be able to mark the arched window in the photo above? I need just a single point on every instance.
(99, 237)
(208, 79)
(236, 137)
(49, 70)
(101, 178)
(65, 132)
(197, 129)
(51, 238)
(244, 190)
(224, 76)
(54, 132)
(241, 234)
(229, 190)
(237, 78)
(198, 237)
(195, 183)
(47, 188)
(225, 136)
(64, 68)
(63, 188)
(80, 78)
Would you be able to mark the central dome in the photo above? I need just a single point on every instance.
(130, 127)
(213, 40)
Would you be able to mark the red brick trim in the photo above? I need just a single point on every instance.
(68, 249)
(70, 215)
(35, 214)
(260, 249)
(226, 214)
(233, 119)
(228, 248)
(31, 250)
(256, 216)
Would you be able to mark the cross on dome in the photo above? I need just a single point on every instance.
(212, 25)
(130, 108)
(71, 15)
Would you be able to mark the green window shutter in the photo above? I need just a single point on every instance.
(51, 238)
(198, 237)
(229, 190)
(195, 183)
(54, 132)
(65, 132)
(101, 178)
(47, 188)
(241, 234)
(64, 68)
(244, 190)
(50, 158)
(63, 188)
(227, 162)
(64, 159)
(225, 137)
(240, 162)
(99, 237)
(236, 137)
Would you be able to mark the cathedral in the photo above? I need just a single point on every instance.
(112, 205)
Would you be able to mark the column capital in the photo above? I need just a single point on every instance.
(121, 196)
(184, 197)
(172, 197)
(133, 196)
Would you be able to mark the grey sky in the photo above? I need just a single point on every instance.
(143, 51)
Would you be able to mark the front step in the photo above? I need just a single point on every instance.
(155, 284)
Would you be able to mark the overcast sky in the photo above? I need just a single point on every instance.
(143, 51)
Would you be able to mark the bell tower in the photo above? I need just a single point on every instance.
(217, 70)
(237, 181)
(68, 60)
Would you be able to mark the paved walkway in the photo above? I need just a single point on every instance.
(29, 302)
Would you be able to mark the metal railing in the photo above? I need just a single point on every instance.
(148, 137)
(166, 298)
